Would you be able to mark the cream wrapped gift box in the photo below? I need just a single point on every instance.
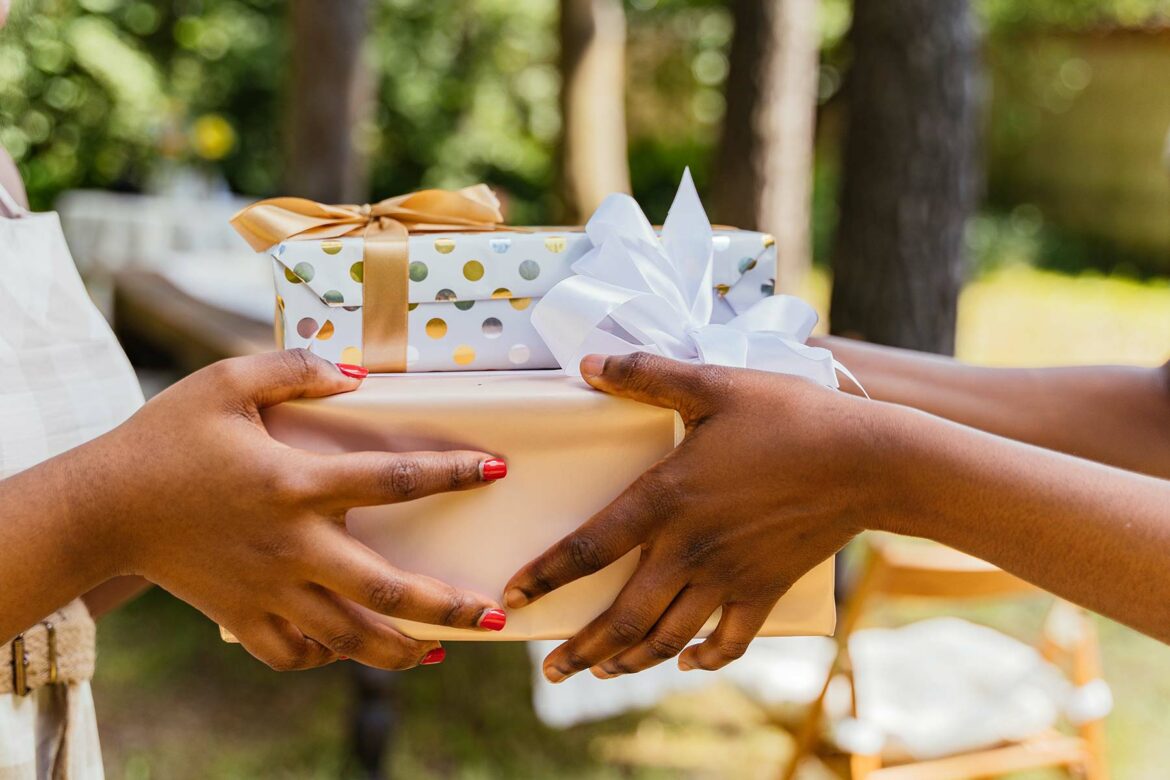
(570, 451)
(449, 299)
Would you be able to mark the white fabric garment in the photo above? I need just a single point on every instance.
(63, 381)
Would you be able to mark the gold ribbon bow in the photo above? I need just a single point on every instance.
(386, 227)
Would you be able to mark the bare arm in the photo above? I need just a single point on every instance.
(193, 494)
(1119, 415)
(776, 474)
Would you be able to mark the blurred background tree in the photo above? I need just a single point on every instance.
(910, 180)
(119, 93)
(556, 102)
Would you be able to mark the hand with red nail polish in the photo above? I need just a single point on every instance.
(193, 494)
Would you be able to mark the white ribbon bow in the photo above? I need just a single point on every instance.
(634, 293)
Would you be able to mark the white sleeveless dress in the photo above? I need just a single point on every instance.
(63, 381)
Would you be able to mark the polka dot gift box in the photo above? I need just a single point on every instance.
(454, 299)
(435, 281)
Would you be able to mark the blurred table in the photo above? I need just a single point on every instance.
(156, 320)
(112, 232)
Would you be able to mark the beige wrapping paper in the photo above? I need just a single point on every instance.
(570, 451)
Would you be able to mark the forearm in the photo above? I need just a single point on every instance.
(1095, 535)
(1117, 415)
(55, 541)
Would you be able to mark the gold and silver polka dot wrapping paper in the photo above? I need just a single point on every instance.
(471, 294)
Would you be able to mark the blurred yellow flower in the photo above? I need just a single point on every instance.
(212, 137)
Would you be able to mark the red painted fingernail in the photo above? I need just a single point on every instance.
(493, 620)
(343, 658)
(355, 372)
(435, 656)
(493, 469)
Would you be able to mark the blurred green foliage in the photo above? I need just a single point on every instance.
(1013, 15)
(113, 93)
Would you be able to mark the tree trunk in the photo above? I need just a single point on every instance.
(910, 177)
(594, 158)
(763, 176)
(329, 93)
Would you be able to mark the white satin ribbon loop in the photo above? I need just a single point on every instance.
(634, 292)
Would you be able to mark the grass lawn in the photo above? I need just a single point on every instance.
(174, 702)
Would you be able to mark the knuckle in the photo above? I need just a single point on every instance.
(398, 656)
(697, 549)
(572, 662)
(346, 642)
(460, 609)
(633, 371)
(386, 594)
(732, 649)
(665, 644)
(292, 486)
(460, 471)
(276, 548)
(585, 552)
(542, 581)
(298, 364)
(627, 630)
(620, 666)
(404, 478)
(289, 659)
(229, 376)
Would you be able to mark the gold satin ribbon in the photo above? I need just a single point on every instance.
(386, 227)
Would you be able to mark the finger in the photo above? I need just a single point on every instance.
(276, 377)
(682, 621)
(349, 568)
(737, 628)
(346, 631)
(634, 612)
(281, 645)
(373, 478)
(652, 379)
(601, 540)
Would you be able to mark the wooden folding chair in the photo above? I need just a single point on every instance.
(895, 568)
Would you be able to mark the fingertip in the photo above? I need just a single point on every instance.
(688, 660)
(492, 619)
(493, 469)
(514, 598)
(592, 367)
(554, 675)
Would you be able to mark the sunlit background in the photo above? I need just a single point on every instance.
(1068, 260)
